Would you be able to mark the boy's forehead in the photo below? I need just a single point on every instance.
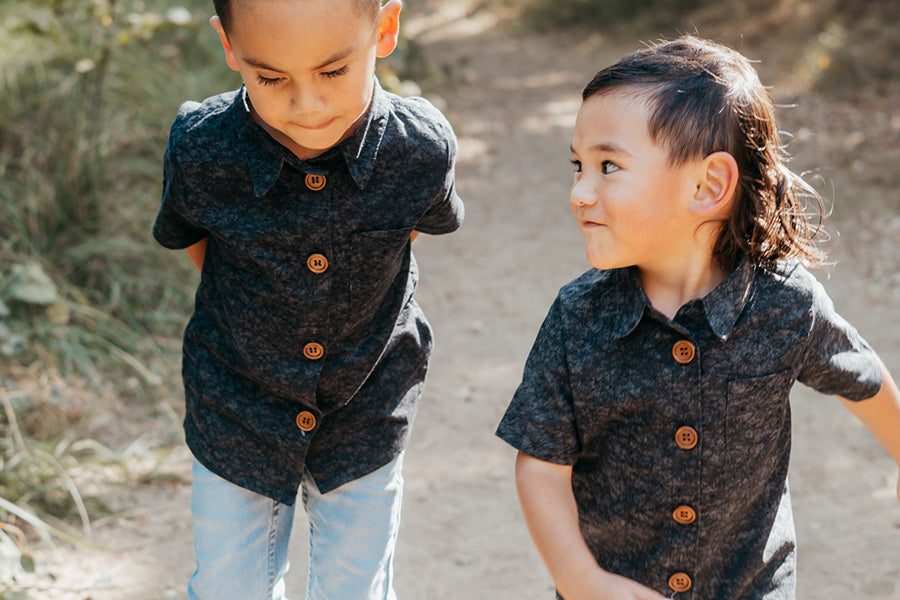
(613, 113)
(283, 35)
(338, 8)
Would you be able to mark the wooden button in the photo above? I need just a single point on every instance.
(685, 515)
(317, 263)
(686, 437)
(683, 351)
(306, 421)
(680, 582)
(313, 351)
(315, 182)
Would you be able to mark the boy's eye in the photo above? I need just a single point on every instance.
(336, 72)
(608, 167)
(577, 164)
(268, 80)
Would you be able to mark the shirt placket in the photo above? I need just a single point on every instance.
(320, 264)
(684, 443)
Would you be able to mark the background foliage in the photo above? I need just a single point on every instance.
(830, 24)
(90, 310)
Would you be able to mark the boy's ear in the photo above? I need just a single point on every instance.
(388, 28)
(717, 179)
(223, 37)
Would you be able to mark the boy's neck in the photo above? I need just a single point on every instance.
(670, 286)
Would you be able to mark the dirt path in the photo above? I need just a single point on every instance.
(486, 290)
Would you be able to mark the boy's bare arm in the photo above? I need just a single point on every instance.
(197, 253)
(881, 415)
(545, 492)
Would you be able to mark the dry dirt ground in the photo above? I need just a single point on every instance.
(512, 98)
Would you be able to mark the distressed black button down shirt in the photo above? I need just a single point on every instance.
(678, 431)
(306, 347)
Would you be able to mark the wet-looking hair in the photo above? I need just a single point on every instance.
(703, 98)
(368, 8)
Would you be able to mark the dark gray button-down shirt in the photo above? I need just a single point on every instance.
(603, 391)
(262, 301)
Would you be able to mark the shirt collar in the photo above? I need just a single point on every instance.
(725, 304)
(360, 150)
(722, 306)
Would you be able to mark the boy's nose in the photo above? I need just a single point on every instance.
(306, 99)
(582, 194)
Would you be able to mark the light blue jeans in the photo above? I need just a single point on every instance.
(241, 538)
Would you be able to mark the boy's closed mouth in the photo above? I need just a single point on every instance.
(324, 125)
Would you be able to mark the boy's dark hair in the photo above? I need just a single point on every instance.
(705, 98)
(368, 8)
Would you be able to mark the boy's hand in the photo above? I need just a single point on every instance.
(622, 588)
(608, 586)
(548, 503)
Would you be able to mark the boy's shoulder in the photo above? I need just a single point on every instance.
(791, 283)
(418, 124)
(204, 124)
(418, 111)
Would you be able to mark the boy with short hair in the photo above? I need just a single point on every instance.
(304, 361)
(652, 421)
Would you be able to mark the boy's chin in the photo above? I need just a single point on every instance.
(319, 143)
(597, 261)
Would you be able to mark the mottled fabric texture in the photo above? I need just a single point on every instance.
(602, 391)
(289, 264)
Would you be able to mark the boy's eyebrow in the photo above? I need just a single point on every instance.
(337, 56)
(604, 147)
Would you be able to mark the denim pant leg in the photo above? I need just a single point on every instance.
(240, 541)
(352, 536)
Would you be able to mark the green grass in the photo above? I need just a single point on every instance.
(89, 90)
(82, 122)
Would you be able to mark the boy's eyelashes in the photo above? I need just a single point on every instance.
(606, 166)
(336, 72)
(268, 80)
(263, 80)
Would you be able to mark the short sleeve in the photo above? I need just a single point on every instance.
(540, 420)
(446, 212)
(837, 359)
(173, 229)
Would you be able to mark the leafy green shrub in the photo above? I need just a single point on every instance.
(89, 90)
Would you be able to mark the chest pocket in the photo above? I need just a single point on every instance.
(758, 421)
(377, 258)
